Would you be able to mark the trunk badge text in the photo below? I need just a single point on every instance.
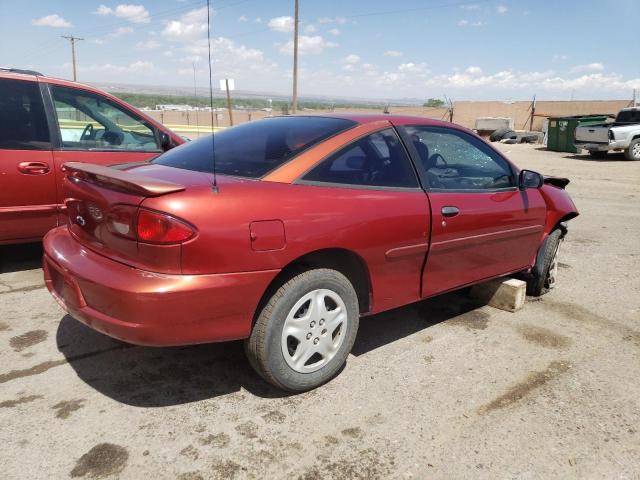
(95, 212)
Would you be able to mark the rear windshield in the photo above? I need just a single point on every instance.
(254, 149)
(628, 116)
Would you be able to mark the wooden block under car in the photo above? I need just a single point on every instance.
(503, 293)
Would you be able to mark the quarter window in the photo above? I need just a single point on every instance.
(377, 160)
(454, 160)
(92, 122)
(23, 122)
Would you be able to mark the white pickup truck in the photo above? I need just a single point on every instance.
(622, 134)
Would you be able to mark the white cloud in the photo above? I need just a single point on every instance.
(131, 13)
(54, 20)
(281, 24)
(549, 81)
(501, 9)
(150, 44)
(352, 58)
(190, 27)
(470, 6)
(308, 45)
(338, 20)
(136, 67)
(413, 68)
(559, 57)
(243, 18)
(471, 70)
(258, 20)
(120, 31)
(467, 23)
(392, 53)
(310, 28)
(590, 67)
(334, 31)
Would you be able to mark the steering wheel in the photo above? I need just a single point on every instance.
(435, 157)
(113, 138)
(87, 133)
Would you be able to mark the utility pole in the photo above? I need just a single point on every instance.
(533, 113)
(294, 102)
(73, 41)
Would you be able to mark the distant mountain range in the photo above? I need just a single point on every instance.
(173, 90)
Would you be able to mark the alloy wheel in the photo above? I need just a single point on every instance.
(314, 330)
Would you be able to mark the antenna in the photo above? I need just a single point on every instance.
(214, 187)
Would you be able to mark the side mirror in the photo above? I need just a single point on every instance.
(529, 179)
(165, 142)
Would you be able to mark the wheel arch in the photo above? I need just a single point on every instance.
(345, 261)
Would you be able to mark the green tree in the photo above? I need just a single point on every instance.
(434, 103)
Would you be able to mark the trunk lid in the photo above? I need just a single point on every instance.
(103, 202)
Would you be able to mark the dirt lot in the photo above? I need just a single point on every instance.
(439, 389)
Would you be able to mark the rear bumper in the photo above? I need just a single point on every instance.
(147, 308)
(601, 147)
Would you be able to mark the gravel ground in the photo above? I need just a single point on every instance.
(439, 389)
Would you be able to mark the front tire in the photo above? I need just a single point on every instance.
(633, 152)
(306, 330)
(545, 272)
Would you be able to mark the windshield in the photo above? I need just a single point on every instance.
(628, 116)
(254, 149)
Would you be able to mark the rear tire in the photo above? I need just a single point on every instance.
(633, 152)
(304, 333)
(598, 153)
(544, 274)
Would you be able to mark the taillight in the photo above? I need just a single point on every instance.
(147, 226)
(157, 227)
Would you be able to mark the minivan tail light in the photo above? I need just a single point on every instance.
(158, 227)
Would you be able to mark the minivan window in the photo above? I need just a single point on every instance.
(254, 149)
(23, 122)
(88, 121)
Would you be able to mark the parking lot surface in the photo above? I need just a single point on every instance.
(444, 388)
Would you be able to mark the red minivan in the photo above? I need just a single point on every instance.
(45, 122)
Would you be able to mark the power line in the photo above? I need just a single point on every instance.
(73, 41)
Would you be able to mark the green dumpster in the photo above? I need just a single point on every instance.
(561, 130)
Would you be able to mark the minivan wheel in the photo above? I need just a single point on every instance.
(545, 274)
(306, 330)
(633, 152)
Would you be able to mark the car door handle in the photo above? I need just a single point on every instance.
(33, 168)
(450, 211)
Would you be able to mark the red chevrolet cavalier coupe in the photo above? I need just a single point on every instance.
(307, 224)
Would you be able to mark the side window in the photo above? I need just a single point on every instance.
(377, 160)
(23, 122)
(454, 160)
(91, 122)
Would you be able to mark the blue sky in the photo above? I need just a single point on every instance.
(484, 49)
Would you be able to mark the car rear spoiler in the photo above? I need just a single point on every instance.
(559, 182)
(114, 179)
